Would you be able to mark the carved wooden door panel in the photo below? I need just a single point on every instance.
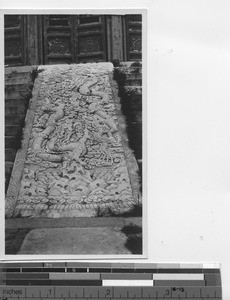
(58, 39)
(90, 38)
(14, 40)
(134, 37)
(71, 38)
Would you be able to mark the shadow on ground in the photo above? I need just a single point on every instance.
(134, 238)
(14, 239)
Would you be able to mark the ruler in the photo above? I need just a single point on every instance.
(81, 280)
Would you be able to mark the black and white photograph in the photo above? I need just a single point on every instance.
(115, 117)
(73, 133)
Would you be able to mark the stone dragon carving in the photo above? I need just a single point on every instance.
(75, 155)
(57, 153)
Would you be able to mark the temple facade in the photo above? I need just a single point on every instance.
(56, 39)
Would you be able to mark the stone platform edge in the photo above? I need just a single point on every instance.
(84, 222)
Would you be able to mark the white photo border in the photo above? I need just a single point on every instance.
(105, 11)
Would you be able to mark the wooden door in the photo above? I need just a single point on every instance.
(134, 37)
(58, 40)
(74, 38)
(14, 28)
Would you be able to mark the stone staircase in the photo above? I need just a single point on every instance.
(18, 91)
(22, 232)
(133, 88)
(132, 105)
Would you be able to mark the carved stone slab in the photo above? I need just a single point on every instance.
(74, 157)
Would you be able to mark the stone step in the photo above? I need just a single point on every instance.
(65, 222)
(133, 82)
(16, 109)
(133, 90)
(131, 64)
(19, 70)
(10, 155)
(8, 168)
(133, 116)
(15, 74)
(135, 138)
(12, 130)
(17, 95)
(27, 80)
(10, 142)
(133, 76)
(14, 119)
(16, 102)
(18, 88)
(132, 103)
(139, 162)
(136, 69)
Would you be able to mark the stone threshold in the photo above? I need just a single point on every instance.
(82, 222)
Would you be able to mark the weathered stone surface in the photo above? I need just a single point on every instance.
(81, 241)
(76, 158)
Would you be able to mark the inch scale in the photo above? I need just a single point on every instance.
(79, 280)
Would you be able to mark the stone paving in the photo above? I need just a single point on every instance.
(14, 239)
(78, 236)
(78, 241)
(75, 156)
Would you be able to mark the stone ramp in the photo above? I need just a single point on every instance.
(75, 157)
